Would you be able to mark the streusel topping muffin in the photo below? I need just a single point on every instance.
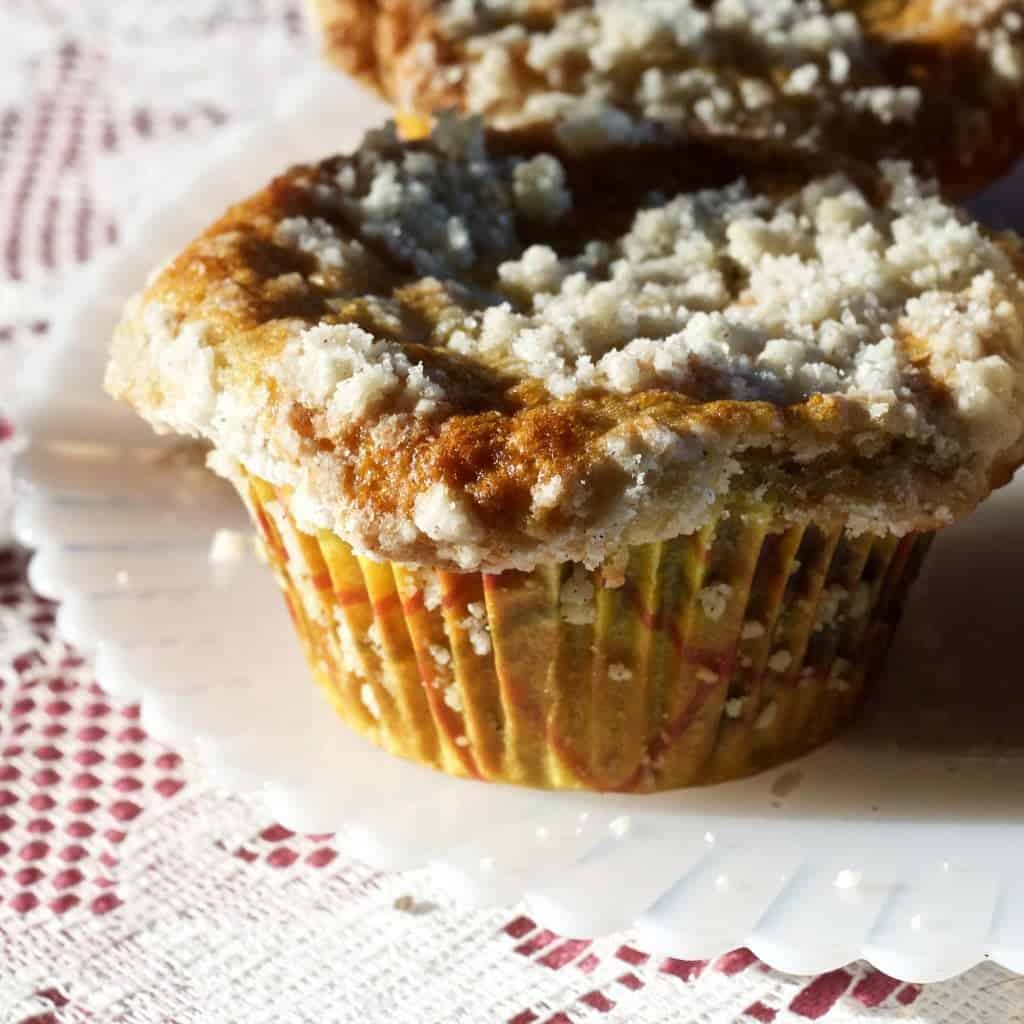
(604, 471)
(933, 81)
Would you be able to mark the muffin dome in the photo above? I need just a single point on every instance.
(477, 353)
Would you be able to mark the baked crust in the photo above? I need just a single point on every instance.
(935, 82)
(329, 355)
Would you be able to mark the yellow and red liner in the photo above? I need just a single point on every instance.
(698, 659)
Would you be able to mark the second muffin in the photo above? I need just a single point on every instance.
(936, 82)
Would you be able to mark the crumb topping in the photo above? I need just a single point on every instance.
(614, 68)
(752, 629)
(476, 626)
(476, 356)
(576, 598)
(714, 600)
(734, 707)
(722, 292)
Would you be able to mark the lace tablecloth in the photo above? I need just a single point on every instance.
(133, 891)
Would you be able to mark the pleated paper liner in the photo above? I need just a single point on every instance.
(698, 659)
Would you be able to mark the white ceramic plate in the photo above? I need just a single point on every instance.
(901, 844)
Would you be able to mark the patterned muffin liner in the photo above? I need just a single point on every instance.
(699, 659)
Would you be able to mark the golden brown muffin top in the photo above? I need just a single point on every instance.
(466, 351)
(938, 82)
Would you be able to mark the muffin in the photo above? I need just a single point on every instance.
(932, 81)
(606, 472)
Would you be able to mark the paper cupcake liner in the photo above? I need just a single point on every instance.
(698, 659)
